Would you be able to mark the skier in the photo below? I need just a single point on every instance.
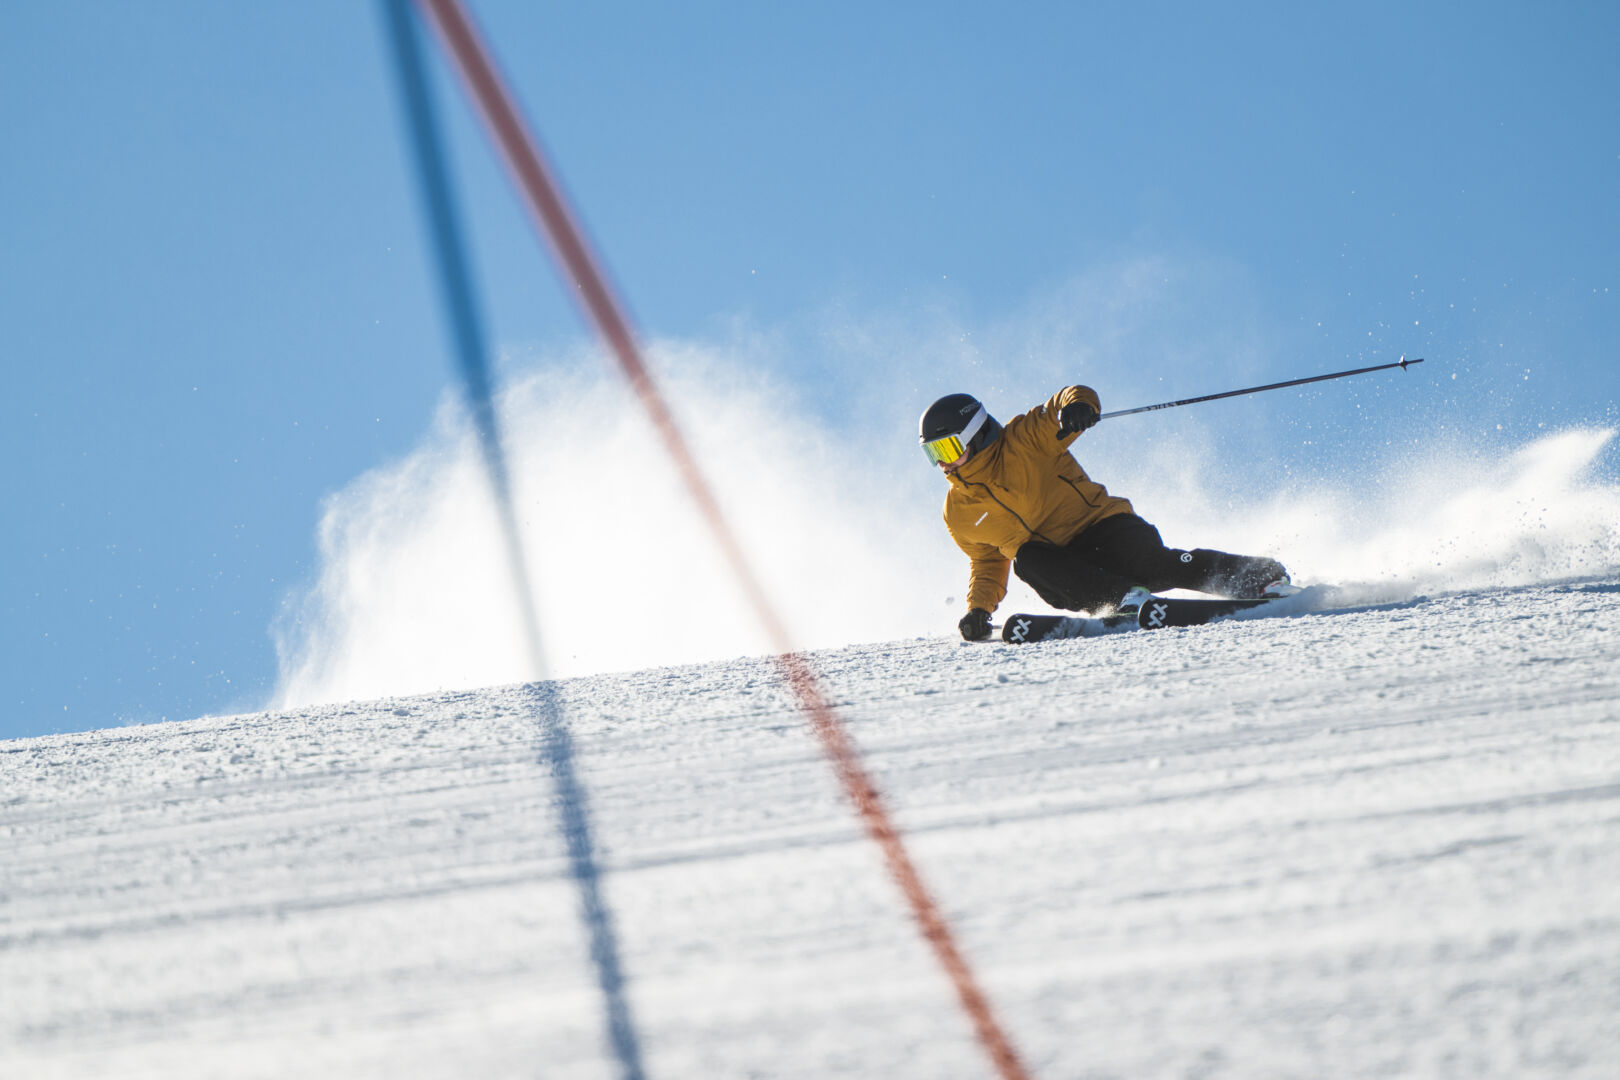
(1019, 499)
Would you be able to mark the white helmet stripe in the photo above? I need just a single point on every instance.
(973, 426)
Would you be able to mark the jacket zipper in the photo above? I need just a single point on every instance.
(1033, 534)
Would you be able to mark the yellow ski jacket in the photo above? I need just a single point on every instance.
(1024, 486)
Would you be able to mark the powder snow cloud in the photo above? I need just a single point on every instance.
(822, 481)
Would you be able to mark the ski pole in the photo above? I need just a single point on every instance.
(1402, 363)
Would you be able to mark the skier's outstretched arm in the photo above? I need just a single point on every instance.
(1057, 423)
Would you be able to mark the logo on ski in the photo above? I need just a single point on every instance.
(1155, 615)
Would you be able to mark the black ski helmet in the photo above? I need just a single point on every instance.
(960, 415)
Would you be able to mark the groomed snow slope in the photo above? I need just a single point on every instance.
(1350, 844)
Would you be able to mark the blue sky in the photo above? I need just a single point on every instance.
(216, 311)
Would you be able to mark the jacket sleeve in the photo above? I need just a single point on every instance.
(1042, 425)
(988, 567)
(987, 576)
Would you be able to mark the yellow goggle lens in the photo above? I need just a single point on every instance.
(943, 451)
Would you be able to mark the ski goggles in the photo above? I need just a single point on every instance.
(951, 448)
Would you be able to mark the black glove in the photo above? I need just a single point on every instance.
(975, 625)
(1075, 418)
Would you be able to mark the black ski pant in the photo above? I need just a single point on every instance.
(1093, 571)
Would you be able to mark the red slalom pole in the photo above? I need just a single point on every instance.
(581, 268)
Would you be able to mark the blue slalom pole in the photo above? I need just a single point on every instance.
(455, 278)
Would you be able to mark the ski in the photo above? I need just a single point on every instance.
(1023, 629)
(1157, 613)
(1163, 611)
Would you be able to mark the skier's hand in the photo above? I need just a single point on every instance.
(1075, 418)
(975, 625)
